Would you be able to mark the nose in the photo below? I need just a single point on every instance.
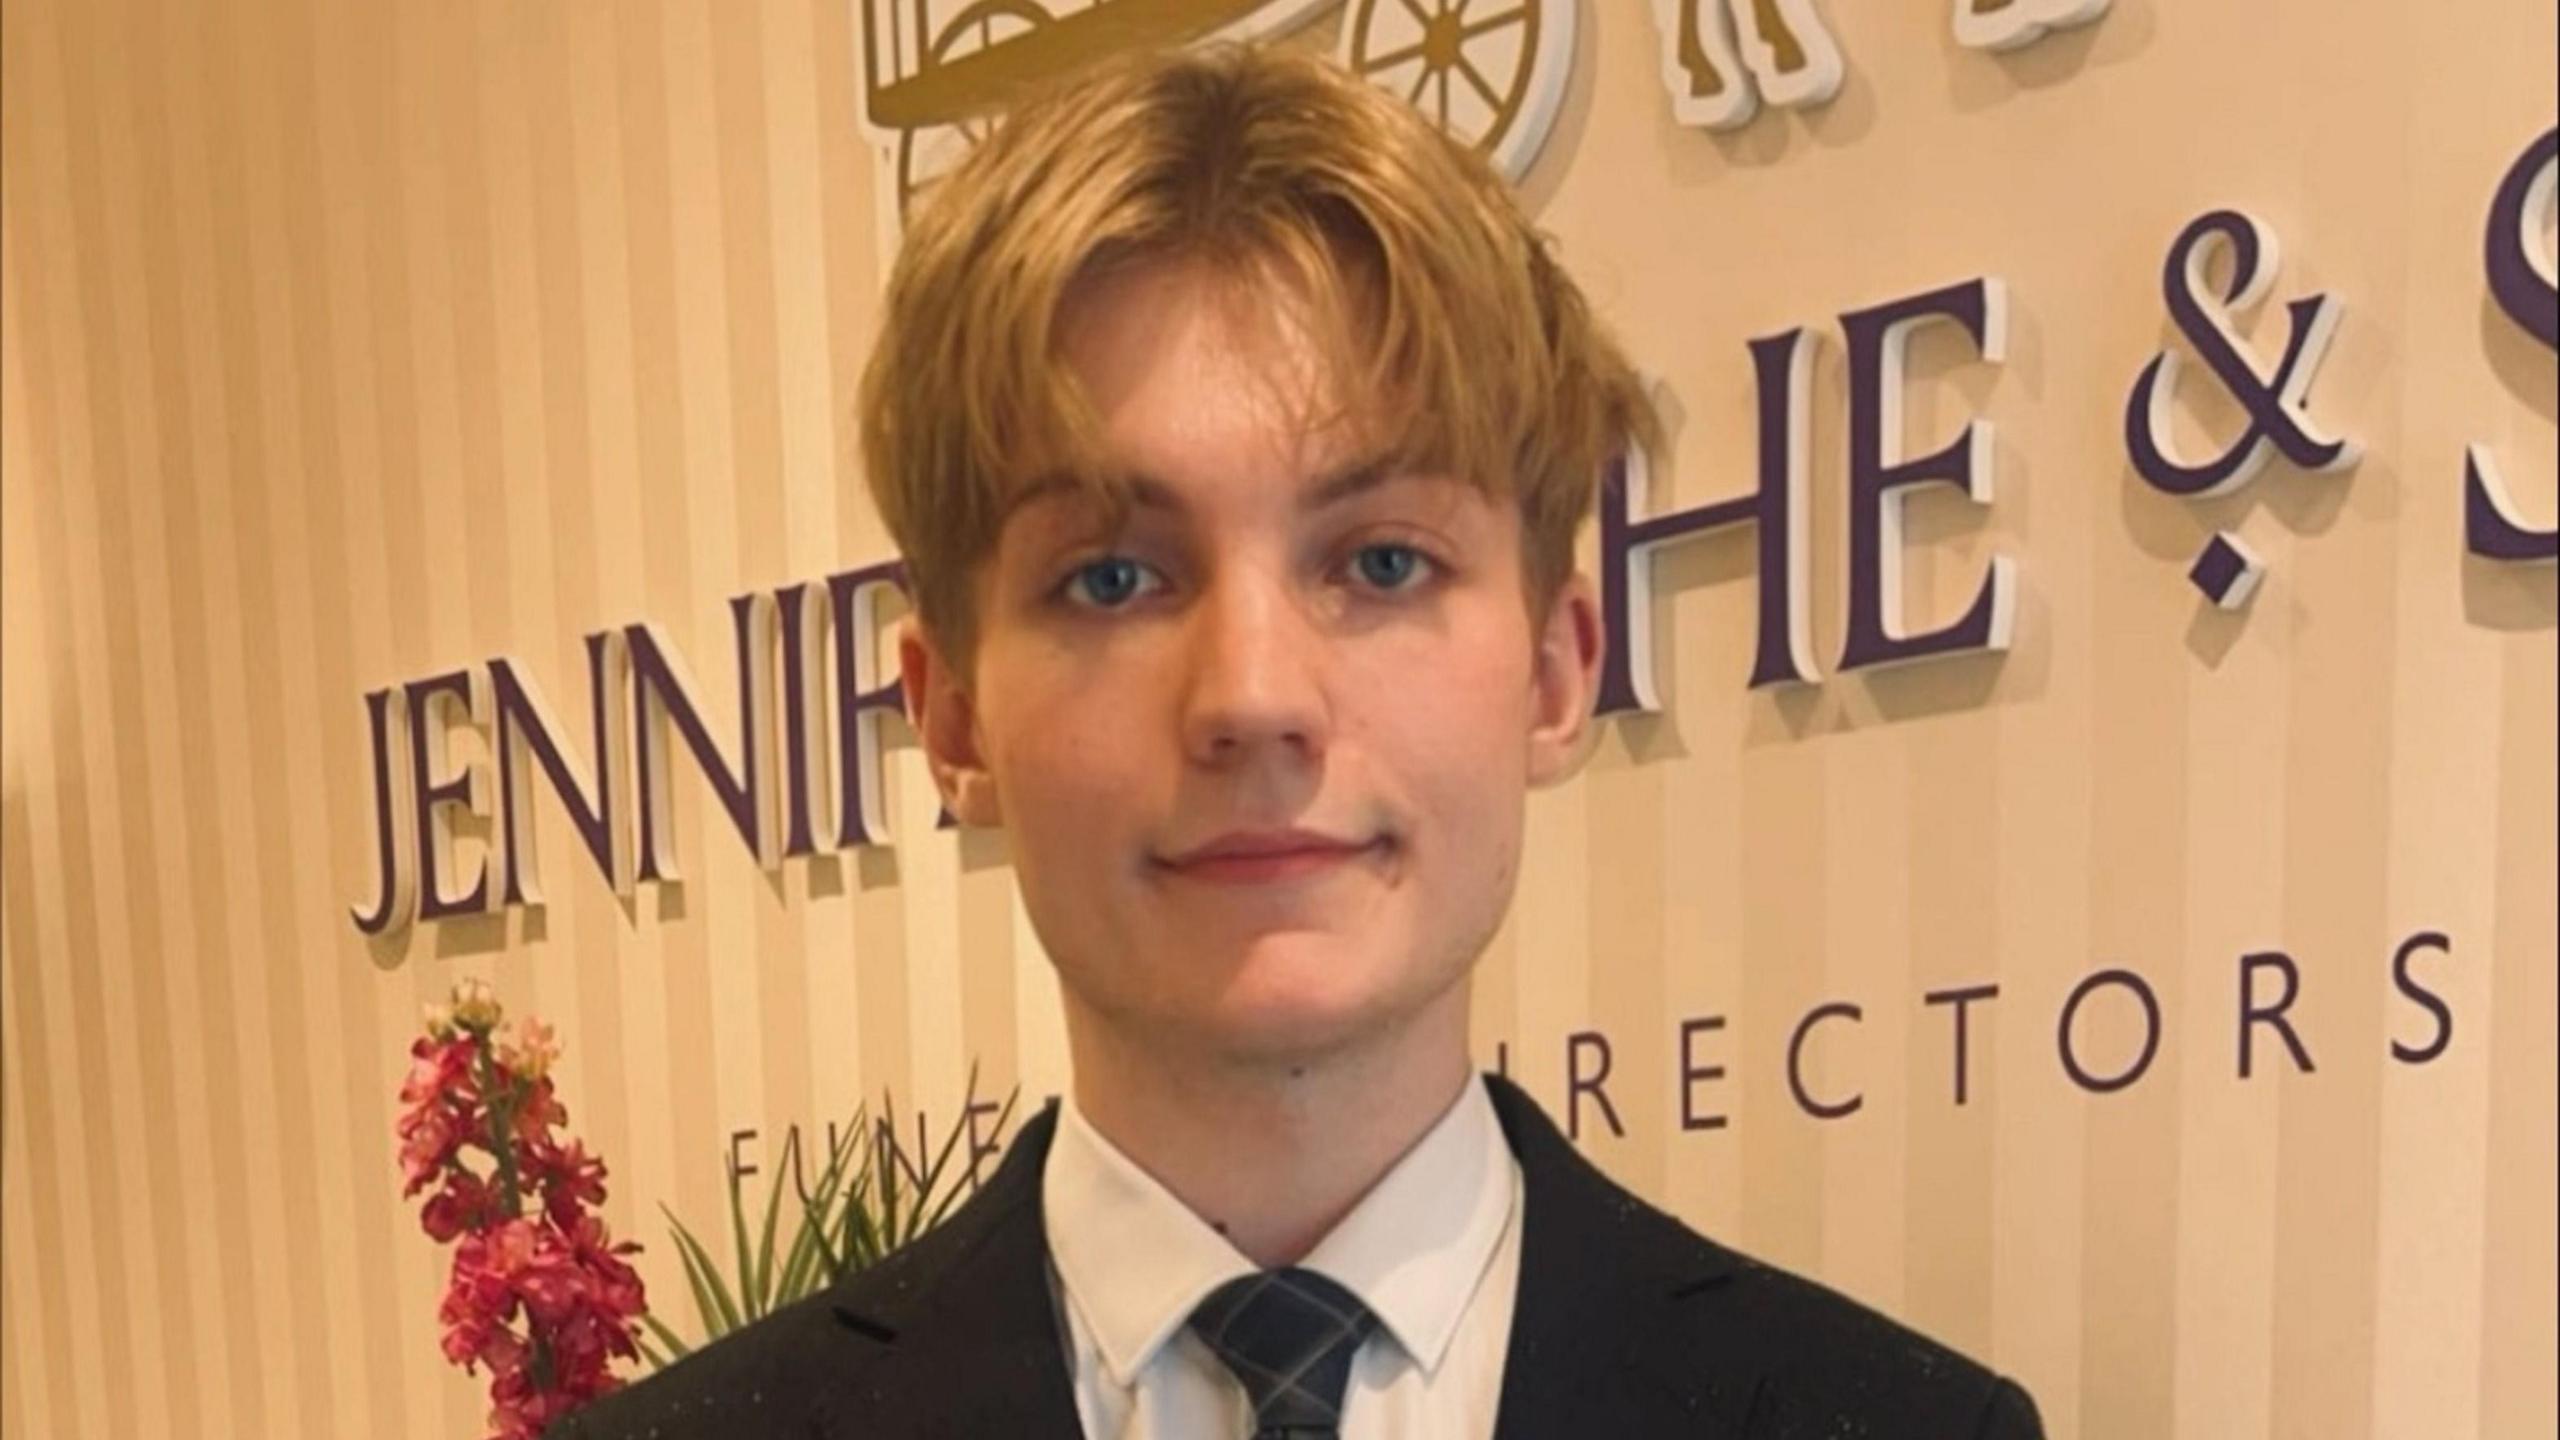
(1256, 663)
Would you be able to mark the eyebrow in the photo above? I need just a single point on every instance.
(1148, 492)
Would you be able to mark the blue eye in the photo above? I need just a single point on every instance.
(1108, 582)
(1389, 566)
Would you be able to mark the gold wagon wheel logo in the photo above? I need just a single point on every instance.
(1485, 71)
(927, 152)
(1490, 73)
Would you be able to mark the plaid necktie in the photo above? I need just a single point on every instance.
(1288, 1336)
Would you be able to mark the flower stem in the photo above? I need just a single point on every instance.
(501, 1129)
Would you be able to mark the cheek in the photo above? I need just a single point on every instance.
(1039, 745)
(1455, 741)
(1457, 694)
(1053, 776)
(1067, 831)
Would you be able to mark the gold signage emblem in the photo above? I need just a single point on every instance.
(936, 72)
(1723, 59)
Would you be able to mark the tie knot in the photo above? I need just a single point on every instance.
(1288, 1337)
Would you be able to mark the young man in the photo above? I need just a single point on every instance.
(1236, 430)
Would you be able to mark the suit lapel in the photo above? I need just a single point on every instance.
(957, 1334)
(1602, 1338)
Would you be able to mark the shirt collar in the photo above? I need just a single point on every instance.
(1135, 1261)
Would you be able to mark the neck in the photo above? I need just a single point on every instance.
(1272, 1151)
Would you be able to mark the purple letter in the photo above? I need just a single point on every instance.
(1691, 1073)
(1960, 998)
(666, 692)
(1577, 1084)
(525, 725)
(2522, 283)
(2276, 399)
(2150, 1035)
(1878, 476)
(2252, 1014)
(804, 717)
(435, 833)
(2421, 1054)
(853, 596)
(1795, 1062)
(982, 1147)
(395, 902)
(1777, 505)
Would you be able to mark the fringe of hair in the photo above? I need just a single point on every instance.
(1435, 303)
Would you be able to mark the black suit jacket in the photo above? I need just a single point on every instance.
(1628, 1326)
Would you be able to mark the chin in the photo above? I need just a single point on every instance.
(1282, 1016)
(1304, 1035)
(1292, 1017)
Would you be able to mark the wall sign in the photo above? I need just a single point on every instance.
(2521, 280)
(2274, 396)
(1723, 59)
(803, 773)
(1490, 73)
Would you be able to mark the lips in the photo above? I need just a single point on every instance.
(1258, 855)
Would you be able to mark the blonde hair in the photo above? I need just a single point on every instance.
(1470, 350)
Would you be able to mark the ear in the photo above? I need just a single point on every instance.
(1565, 679)
(945, 718)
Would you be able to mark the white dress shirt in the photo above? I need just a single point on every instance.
(1433, 1249)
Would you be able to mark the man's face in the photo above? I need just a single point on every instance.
(1280, 651)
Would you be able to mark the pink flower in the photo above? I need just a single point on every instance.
(537, 1110)
(528, 1047)
(428, 1139)
(541, 1298)
(465, 1203)
(441, 1069)
(570, 1179)
(475, 1004)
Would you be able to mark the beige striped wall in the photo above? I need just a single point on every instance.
(347, 343)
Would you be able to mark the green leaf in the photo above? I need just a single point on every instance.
(801, 1264)
(669, 1348)
(889, 1162)
(799, 1268)
(710, 1295)
(702, 1302)
(865, 1205)
(761, 1282)
(674, 1343)
(738, 1236)
(861, 1232)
